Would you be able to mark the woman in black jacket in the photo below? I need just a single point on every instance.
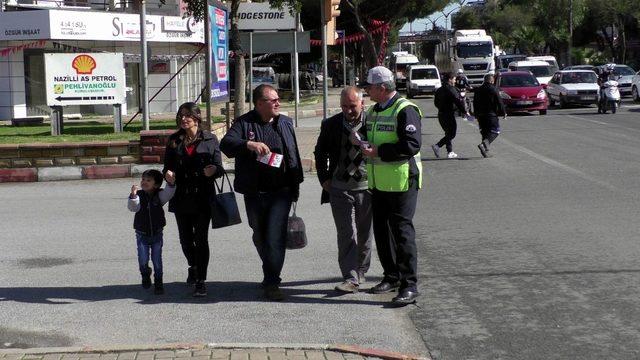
(193, 155)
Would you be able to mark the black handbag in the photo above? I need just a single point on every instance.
(296, 231)
(224, 207)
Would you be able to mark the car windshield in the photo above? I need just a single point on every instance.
(579, 77)
(418, 74)
(519, 81)
(623, 70)
(474, 49)
(537, 71)
(506, 60)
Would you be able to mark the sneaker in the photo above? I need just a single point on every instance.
(436, 150)
(158, 287)
(146, 279)
(483, 151)
(191, 276)
(273, 293)
(200, 289)
(347, 287)
(452, 155)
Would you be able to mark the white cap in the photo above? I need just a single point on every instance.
(379, 75)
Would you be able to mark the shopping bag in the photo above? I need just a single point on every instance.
(224, 207)
(296, 233)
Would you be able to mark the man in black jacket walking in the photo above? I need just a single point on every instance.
(447, 100)
(268, 171)
(488, 106)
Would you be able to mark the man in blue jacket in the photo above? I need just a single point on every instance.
(268, 171)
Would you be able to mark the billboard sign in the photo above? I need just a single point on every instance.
(84, 79)
(261, 16)
(219, 21)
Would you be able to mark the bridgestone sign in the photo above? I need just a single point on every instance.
(84, 79)
(260, 16)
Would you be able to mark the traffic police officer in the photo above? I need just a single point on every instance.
(395, 175)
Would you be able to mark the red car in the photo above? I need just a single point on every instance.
(521, 92)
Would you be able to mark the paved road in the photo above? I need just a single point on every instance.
(533, 254)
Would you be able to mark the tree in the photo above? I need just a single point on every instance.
(198, 9)
(395, 13)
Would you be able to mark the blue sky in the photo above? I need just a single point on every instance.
(420, 24)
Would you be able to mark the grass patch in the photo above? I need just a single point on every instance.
(84, 131)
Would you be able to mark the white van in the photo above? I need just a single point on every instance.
(551, 60)
(422, 79)
(540, 69)
(398, 66)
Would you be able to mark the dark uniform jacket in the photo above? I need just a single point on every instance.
(487, 101)
(247, 175)
(329, 146)
(193, 188)
(409, 132)
(149, 220)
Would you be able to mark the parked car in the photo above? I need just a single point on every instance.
(635, 86)
(422, 79)
(521, 92)
(540, 69)
(580, 67)
(573, 87)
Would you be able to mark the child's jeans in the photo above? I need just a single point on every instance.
(153, 244)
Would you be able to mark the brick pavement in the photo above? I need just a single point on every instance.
(265, 353)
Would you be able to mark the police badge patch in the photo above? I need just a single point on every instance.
(410, 128)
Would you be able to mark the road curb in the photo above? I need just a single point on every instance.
(303, 114)
(343, 348)
(97, 172)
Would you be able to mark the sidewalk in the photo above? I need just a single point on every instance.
(206, 352)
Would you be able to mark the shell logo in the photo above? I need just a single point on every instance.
(83, 64)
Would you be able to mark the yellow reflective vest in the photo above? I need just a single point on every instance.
(382, 129)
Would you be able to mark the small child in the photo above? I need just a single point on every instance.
(149, 222)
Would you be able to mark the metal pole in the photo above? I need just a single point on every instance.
(325, 89)
(117, 118)
(207, 65)
(296, 89)
(570, 45)
(144, 86)
(344, 59)
(250, 68)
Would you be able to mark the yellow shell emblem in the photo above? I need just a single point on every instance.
(83, 64)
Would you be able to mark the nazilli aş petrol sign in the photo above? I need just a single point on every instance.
(84, 79)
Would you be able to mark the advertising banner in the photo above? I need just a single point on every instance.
(84, 79)
(219, 53)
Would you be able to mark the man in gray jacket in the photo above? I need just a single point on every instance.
(343, 175)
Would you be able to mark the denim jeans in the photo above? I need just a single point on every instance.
(268, 215)
(150, 244)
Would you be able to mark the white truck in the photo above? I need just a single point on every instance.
(470, 50)
(400, 61)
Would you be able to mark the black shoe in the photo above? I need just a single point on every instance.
(158, 287)
(146, 279)
(273, 293)
(436, 150)
(483, 151)
(384, 287)
(200, 289)
(191, 277)
(406, 296)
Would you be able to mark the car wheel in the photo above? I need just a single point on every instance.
(552, 102)
(409, 94)
(563, 103)
(543, 112)
(635, 94)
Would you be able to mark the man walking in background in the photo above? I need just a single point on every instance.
(447, 100)
(488, 106)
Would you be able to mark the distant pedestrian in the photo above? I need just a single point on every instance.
(149, 221)
(268, 171)
(447, 100)
(342, 173)
(394, 171)
(488, 106)
(193, 155)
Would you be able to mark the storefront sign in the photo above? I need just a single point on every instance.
(219, 53)
(260, 16)
(85, 25)
(84, 79)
